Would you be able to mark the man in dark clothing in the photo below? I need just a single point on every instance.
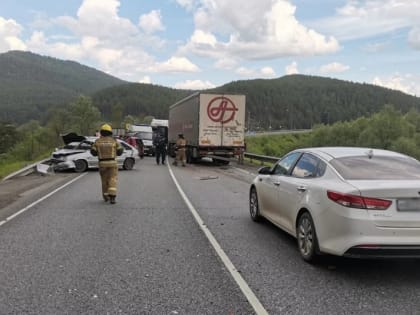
(160, 148)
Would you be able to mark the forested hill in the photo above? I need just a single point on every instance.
(300, 101)
(294, 101)
(138, 100)
(30, 84)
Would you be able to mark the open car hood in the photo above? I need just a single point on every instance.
(72, 137)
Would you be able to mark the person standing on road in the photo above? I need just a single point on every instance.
(106, 148)
(160, 148)
(180, 147)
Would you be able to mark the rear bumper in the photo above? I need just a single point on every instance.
(148, 150)
(384, 251)
(352, 233)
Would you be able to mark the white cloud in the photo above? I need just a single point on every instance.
(292, 68)
(408, 83)
(375, 47)
(9, 35)
(260, 29)
(151, 22)
(176, 64)
(361, 19)
(245, 72)
(265, 72)
(226, 63)
(200, 37)
(188, 4)
(100, 37)
(334, 67)
(268, 72)
(414, 38)
(194, 85)
(146, 79)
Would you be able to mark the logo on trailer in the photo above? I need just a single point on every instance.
(221, 109)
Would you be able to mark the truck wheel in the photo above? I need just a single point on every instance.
(189, 156)
(171, 150)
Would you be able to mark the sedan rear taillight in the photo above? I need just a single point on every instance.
(353, 201)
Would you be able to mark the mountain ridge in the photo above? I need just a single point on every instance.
(31, 84)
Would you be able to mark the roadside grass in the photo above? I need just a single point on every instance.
(7, 168)
(9, 165)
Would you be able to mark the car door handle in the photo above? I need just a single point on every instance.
(276, 183)
(301, 188)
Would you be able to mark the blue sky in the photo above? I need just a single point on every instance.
(198, 44)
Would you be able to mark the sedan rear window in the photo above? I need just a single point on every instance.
(377, 167)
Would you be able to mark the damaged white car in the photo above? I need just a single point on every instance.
(76, 154)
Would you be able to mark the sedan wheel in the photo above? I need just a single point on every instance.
(128, 164)
(80, 166)
(254, 209)
(306, 238)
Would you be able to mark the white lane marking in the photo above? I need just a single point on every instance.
(39, 200)
(246, 290)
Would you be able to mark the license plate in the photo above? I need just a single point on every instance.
(408, 204)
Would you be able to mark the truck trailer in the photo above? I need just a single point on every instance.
(212, 124)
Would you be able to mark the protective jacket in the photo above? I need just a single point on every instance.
(107, 149)
(180, 144)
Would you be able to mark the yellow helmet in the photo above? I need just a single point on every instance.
(106, 127)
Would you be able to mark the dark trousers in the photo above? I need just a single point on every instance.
(160, 155)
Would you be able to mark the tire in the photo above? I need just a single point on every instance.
(80, 166)
(189, 156)
(306, 238)
(254, 209)
(128, 164)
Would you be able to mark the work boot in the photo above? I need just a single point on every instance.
(112, 198)
(106, 198)
(175, 163)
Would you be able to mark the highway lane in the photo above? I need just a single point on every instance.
(269, 260)
(74, 254)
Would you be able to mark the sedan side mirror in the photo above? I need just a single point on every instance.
(266, 170)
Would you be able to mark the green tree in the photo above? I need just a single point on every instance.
(384, 128)
(58, 123)
(9, 135)
(117, 112)
(84, 116)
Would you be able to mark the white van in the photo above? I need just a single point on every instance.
(145, 133)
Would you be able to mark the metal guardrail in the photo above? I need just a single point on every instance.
(24, 171)
(261, 158)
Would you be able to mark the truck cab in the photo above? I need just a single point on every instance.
(145, 133)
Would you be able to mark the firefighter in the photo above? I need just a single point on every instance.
(107, 149)
(180, 147)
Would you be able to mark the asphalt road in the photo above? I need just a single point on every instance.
(74, 254)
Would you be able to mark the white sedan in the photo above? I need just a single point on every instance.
(76, 154)
(345, 201)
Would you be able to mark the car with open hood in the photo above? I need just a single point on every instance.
(75, 154)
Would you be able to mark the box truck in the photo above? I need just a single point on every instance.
(212, 124)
